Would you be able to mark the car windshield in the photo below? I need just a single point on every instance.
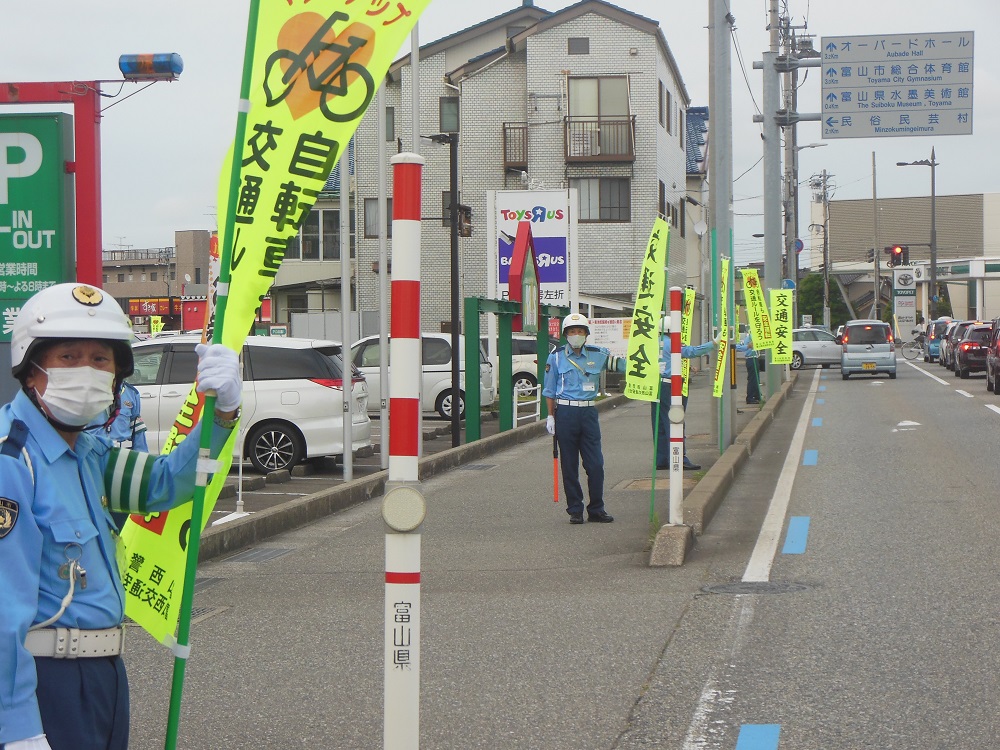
(867, 334)
(979, 335)
(939, 328)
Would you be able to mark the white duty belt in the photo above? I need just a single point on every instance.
(567, 402)
(74, 643)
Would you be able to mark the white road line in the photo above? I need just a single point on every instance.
(759, 567)
(964, 393)
(932, 377)
(993, 407)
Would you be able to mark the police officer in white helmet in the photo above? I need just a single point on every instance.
(572, 377)
(62, 600)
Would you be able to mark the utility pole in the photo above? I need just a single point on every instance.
(826, 254)
(878, 262)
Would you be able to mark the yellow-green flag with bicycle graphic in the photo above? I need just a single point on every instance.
(315, 68)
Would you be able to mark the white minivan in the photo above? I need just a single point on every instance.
(436, 366)
(293, 391)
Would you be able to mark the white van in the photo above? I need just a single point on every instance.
(436, 385)
(293, 391)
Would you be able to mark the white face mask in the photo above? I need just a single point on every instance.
(576, 341)
(75, 395)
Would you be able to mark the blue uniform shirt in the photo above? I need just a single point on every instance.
(64, 510)
(687, 352)
(746, 346)
(572, 376)
(127, 430)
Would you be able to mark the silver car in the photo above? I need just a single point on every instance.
(867, 347)
(814, 346)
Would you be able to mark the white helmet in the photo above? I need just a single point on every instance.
(70, 311)
(575, 319)
(665, 323)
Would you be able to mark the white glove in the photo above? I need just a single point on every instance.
(550, 424)
(38, 742)
(219, 371)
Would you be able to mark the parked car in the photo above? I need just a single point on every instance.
(293, 392)
(867, 347)
(524, 365)
(436, 384)
(954, 335)
(933, 334)
(970, 350)
(993, 358)
(814, 346)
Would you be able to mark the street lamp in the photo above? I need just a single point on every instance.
(932, 164)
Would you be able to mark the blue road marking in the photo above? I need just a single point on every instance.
(795, 537)
(758, 737)
(817, 421)
(821, 401)
(809, 458)
(821, 388)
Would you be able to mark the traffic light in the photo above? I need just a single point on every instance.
(871, 255)
(897, 253)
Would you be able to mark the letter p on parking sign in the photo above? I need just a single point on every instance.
(20, 156)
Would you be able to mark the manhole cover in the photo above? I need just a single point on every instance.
(755, 587)
(477, 467)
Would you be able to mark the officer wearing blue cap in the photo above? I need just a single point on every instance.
(62, 603)
(572, 376)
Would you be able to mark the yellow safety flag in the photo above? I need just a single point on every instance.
(642, 369)
(315, 69)
(155, 324)
(720, 362)
(687, 313)
(781, 311)
(758, 318)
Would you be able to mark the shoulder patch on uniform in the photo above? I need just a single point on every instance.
(8, 515)
(547, 367)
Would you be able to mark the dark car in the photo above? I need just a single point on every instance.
(970, 350)
(993, 358)
(955, 331)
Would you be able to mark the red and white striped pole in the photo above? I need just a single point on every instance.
(403, 507)
(676, 412)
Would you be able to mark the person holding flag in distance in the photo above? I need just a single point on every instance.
(62, 601)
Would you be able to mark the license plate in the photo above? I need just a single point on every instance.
(867, 365)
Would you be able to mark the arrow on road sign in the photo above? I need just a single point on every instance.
(831, 122)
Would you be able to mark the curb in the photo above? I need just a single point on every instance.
(244, 532)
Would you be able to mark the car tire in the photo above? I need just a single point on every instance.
(274, 446)
(962, 372)
(797, 360)
(443, 405)
(524, 383)
(989, 381)
(845, 375)
(892, 376)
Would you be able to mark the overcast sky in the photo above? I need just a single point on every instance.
(162, 147)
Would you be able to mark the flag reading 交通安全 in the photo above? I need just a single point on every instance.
(720, 362)
(642, 365)
(781, 313)
(758, 318)
(687, 314)
(315, 69)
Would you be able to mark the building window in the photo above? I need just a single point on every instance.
(297, 303)
(669, 111)
(197, 275)
(604, 198)
(152, 275)
(680, 126)
(131, 277)
(661, 204)
(662, 102)
(121, 278)
(682, 217)
(448, 114)
(371, 217)
(390, 124)
(104, 278)
(446, 207)
(578, 45)
(319, 237)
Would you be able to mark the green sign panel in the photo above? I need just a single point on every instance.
(36, 208)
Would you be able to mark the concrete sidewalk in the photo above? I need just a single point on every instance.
(535, 633)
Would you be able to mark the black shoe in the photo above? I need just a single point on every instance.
(576, 517)
(689, 466)
(662, 467)
(600, 517)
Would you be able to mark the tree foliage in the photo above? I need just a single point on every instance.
(810, 300)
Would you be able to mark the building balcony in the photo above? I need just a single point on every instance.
(515, 145)
(600, 139)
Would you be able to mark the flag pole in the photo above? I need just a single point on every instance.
(182, 649)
